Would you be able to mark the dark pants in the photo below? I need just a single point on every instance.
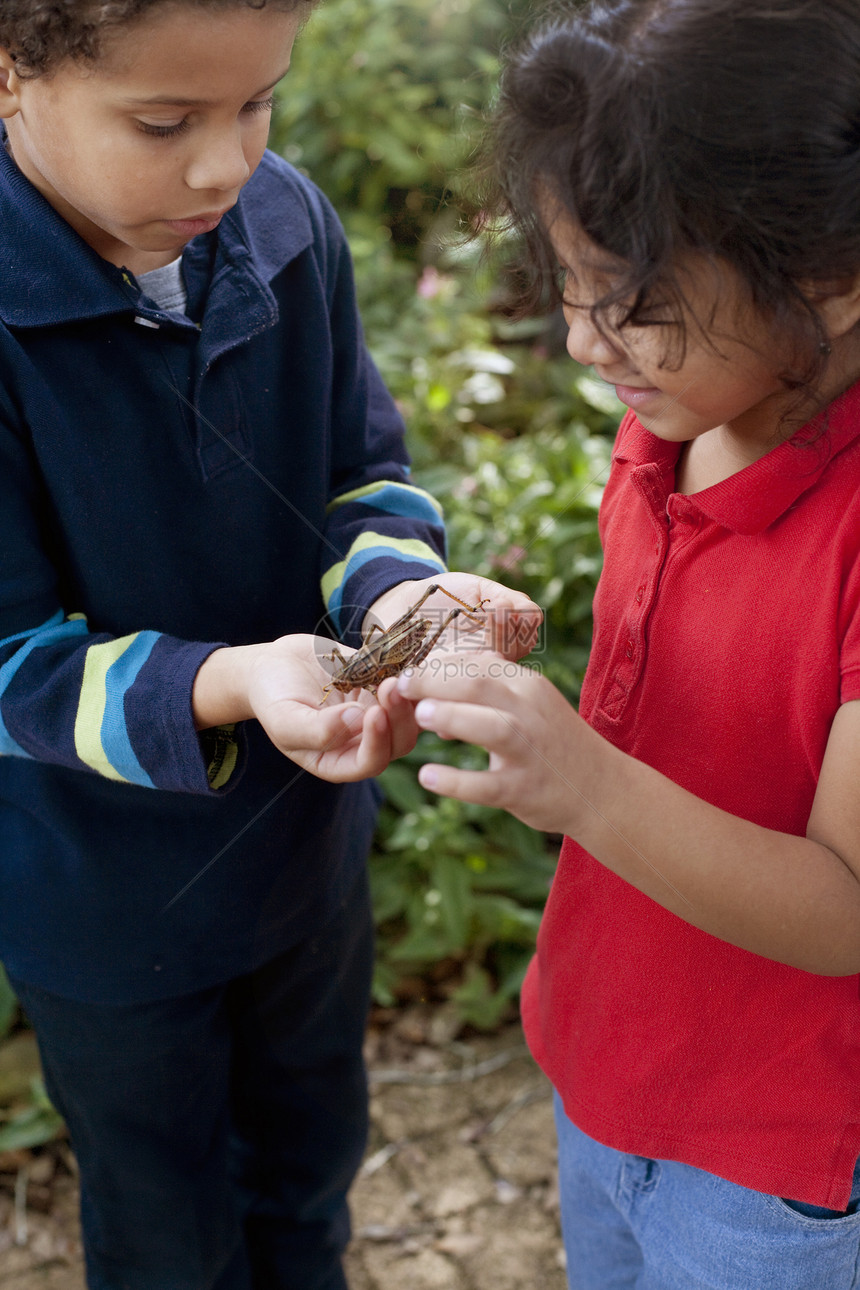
(217, 1134)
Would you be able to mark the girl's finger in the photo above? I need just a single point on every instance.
(463, 678)
(471, 723)
(482, 787)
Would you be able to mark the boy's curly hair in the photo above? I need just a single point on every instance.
(40, 34)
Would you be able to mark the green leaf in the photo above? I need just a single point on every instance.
(35, 1124)
(401, 788)
(31, 1128)
(19, 1066)
(451, 881)
(384, 983)
(477, 1000)
(8, 1004)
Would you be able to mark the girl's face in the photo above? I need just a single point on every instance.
(152, 144)
(729, 374)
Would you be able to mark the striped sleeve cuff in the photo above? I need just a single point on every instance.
(17, 651)
(419, 559)
(390, 531)
(117, 706)
(393, 498)
(101, 736)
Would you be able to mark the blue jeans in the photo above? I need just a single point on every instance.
(631, 1223)
(217, 1134)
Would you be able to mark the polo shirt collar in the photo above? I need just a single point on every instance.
(49, 275)
(754, 498)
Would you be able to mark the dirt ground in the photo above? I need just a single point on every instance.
(457, 1191)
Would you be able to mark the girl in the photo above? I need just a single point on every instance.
(693, 167)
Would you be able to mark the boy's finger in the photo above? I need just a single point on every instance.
(514, 633)
(374, 751)
(300, 726)
(401, 717)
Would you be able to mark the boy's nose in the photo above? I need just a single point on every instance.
(220, 164)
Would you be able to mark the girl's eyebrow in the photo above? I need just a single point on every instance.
(162, 100)
(592, 265)
(600, 265)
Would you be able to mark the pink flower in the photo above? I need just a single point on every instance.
(430, 283)
(510, 560)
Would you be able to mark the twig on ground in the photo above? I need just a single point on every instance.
(462, 1076)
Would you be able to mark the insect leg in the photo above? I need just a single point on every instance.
(468, 610)
(431, 641)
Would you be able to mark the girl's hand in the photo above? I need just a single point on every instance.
(538, 745)
(281, 683)
(510, 624)
(792, 899)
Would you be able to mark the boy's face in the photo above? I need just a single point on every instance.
(152, 144)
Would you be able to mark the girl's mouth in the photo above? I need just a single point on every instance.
(635, 395)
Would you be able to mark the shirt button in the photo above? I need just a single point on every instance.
(639, 594)
(630, 649)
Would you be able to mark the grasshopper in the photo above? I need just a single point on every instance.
(403, 644)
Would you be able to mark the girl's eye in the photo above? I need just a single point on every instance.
(566, 284)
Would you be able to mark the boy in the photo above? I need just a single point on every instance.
(192, 437)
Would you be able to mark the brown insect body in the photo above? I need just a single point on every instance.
(404, 644)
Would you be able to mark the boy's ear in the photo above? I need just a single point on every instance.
(837, 307)
(10, 83)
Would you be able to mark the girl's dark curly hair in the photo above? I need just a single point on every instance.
(729, 128)
(41, 33)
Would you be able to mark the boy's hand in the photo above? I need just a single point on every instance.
(510, 624)
(281, 684)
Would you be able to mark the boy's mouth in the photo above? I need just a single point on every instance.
(196, 224)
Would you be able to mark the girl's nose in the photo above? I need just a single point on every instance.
(585, 342)
(221, 163)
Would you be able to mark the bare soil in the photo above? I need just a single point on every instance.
(457, 1191)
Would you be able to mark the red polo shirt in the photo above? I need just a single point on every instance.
(727, 634)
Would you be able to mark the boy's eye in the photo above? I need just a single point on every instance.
(174, 128)
(260, 105)
(163, 131)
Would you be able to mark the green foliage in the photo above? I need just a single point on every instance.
(523, 513)
(383, 108)
(464, 884)
(383, 100)
(456, 884)
(8, 1004)
(27, 1118)
(33, 1125)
